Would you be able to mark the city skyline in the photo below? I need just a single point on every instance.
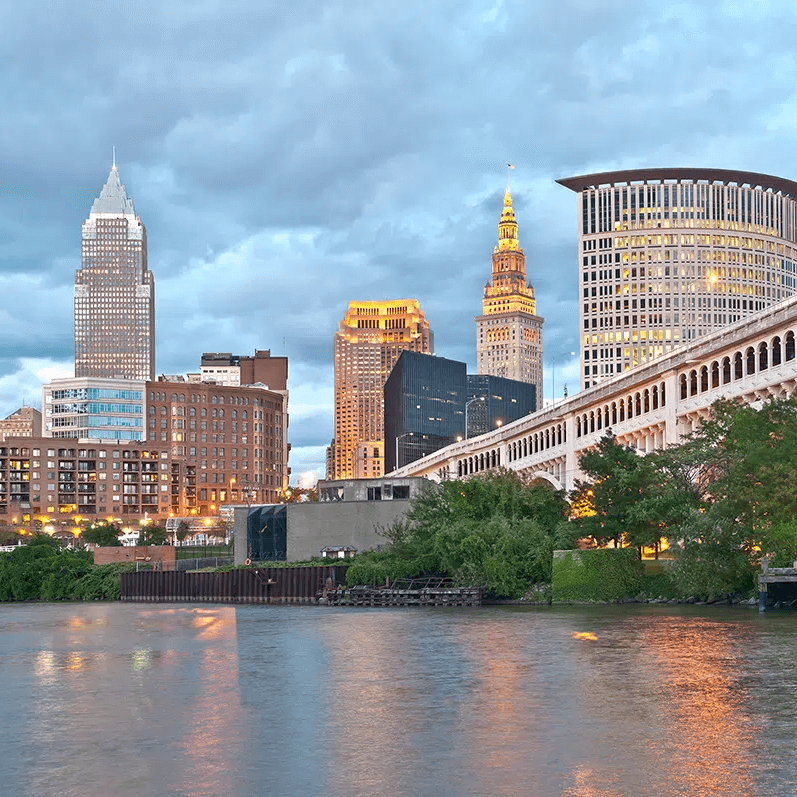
(358, 167)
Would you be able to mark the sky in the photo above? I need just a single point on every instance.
(289, 158)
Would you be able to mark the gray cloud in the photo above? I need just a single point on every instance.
(289, 158)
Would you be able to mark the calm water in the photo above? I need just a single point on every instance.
(106, 700)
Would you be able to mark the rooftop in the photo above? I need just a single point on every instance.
(676, 175)
(113, 198)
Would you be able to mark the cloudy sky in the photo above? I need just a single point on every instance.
(289, 157)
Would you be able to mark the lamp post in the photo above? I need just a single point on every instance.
(467, 404)
(400, 437)
(247, 493)
(553, 371)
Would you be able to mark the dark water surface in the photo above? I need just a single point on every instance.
(120, 699)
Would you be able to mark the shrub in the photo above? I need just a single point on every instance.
(597, 575)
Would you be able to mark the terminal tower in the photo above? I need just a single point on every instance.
(509, 331)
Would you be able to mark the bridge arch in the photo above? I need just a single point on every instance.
(552, 480)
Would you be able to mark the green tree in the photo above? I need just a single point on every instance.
(748, 473)
(183, 530)
(621, 482)
(152, 535)
(9, 536)
(103, 534)
(496, 530)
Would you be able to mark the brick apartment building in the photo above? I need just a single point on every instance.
(205, 444)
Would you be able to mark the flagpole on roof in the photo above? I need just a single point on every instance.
(509, 167)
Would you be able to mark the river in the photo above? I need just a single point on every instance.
(108, 700)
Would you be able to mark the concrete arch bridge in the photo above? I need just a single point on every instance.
(649, 407)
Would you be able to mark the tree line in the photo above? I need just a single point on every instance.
(717, 502)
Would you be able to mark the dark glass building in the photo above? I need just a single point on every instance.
(494, 401)
(428, 400)
(424, 406)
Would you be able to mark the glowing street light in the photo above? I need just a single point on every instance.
(400, 437)
(467, 404)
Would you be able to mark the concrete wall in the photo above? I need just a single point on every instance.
(239, 534)
(313, 526)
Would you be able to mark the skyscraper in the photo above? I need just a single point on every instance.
(430, 402)
(114, 291)
(509, 331)
(367, 344)
(669, 255)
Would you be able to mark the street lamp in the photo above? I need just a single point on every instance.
(553, 371)
(467, 404)
(400, 437)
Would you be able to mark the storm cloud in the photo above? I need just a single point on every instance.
(287, 158)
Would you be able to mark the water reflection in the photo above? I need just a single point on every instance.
(504, 705)
(704, 698)
(584, 784)
(205, 701)
(215, 728)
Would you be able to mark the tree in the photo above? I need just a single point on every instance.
(748, 476)
(152, 535)
(495, 530)
(103, 534)
(621, 481)
(183, 530)
(9, 536)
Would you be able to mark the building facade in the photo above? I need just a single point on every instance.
(24, 422)
(509, 331)
(89, 408)
(348, 515)
(114, 291)
(494, 401)
(233, 437)
(367, 344)
(234, 369)
(199, 445)
(668, 256)
(431, 402)
(424, 407)
(61, 482)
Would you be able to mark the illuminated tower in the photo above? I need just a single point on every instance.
(669, 255)
(114, 291)
(367, 344)
(509, 331)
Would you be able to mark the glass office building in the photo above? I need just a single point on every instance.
(94, 409)
(494, 401)
(429, 400)
(669, 255)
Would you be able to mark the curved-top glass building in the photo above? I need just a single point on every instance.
(668, 255)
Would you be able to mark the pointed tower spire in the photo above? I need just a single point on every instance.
(507, 227)
(113, 197)
(509, 331)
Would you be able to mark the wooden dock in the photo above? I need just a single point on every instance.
(408, 592)
(776, 584)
